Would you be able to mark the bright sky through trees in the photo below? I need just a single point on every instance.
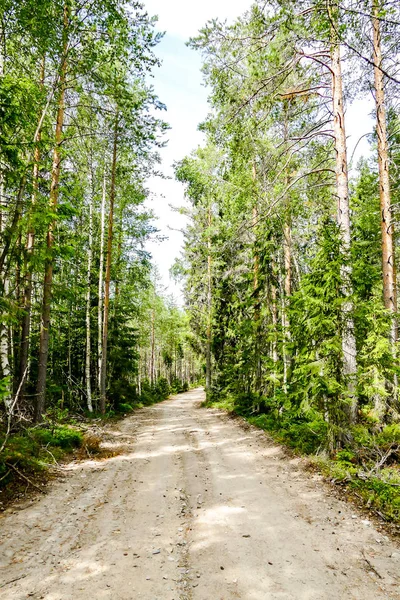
(179, 83)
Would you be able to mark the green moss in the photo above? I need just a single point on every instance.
(63, 437)
(31, 451)
(390, 433)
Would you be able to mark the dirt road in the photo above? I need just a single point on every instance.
(197, 507)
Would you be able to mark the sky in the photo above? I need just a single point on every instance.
(178, 83)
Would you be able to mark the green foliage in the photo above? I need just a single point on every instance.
(125, 408)
(391, 433)
(381, 496)
(63, 437)
(283, 288)
(22, 450)
(30, 451)
(316, 315)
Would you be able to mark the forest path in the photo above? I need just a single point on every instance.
(198, 507)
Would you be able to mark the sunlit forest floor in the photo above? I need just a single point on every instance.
(192, 504)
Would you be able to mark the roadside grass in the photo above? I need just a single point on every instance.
(29, 453)
(367, 466)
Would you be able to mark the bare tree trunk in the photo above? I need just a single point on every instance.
(274, 318)
(103, 366)
(256, 268)
(4, 348)
(3, 203)
(287, 260)
(101, 272)
(4, 354)
(209, 304)
(387, 227)
(88, 298)
(139, 375)
(118, 258)
(287, 290)
(48, 278)
(29, 249)
(152, 346)
(343, 218)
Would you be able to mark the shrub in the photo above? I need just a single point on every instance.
(162, 389)
(63, 437)
(346, 457)
(390, 433)
(125, 408)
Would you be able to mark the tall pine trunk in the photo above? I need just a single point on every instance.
(387, 228)
(49, 263)
(256, 291)
(29, 249)
(152, 345)
(287, 262)
(209, 304)
(103, 366)
(349, 350)
(4, 342)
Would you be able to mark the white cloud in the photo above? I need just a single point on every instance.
(184, 18)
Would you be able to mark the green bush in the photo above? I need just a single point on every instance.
(246, 402)
(125, 408)
(346, 457)
(390, 433)
(380, 495)
(266, 422)
(162, 389)
(63, 437)
(362, 436)
(307, 437)
(21, 450)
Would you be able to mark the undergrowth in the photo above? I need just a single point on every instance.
(367, 463)
(29, 452)
(150, 394)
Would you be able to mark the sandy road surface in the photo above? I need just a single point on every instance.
(198, 507)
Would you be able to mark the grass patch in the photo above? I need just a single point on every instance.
(28, 454)
(379, 492)
(58, 437)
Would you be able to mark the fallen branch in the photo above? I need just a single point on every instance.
(12, 581)
(371, 566)
(4, 476)
(11, 411)
(383, 459)
(25, 477)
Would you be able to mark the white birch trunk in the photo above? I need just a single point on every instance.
(88, 279)
(101, 276)
(4, 341)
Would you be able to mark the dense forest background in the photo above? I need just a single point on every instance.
(290, 262)
(84, 325)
